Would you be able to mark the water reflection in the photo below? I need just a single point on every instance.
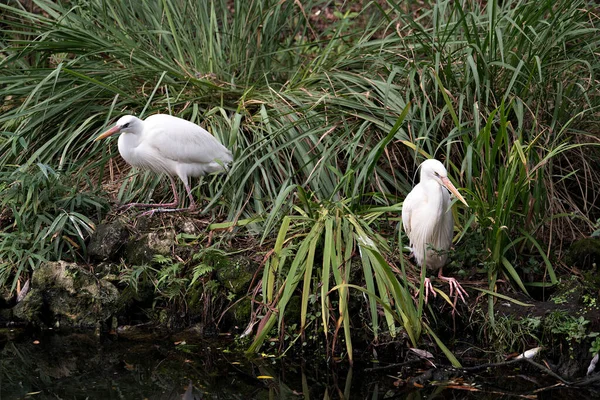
(82, 366)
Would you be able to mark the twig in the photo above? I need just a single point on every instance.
(547, 370)
(491, 365)
(588, 381)
(415, 361)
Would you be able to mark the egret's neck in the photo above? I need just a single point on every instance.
(128, 143)
(438, 195)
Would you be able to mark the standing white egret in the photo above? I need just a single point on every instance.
(166, 144)
(428, 221)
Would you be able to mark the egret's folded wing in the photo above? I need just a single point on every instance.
(184, 141)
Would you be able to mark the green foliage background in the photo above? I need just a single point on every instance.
(328, 109)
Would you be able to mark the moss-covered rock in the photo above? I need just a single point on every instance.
(31, 308)
(107, 241)
(142, 250)
(108, 271)
(241, 311)
(585, 254)
(65, 294)
(5, 315)
(5, 296)
(235, 273)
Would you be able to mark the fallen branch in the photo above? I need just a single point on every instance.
(428, 375)
(395, 365)
(588, 381)
(516, 361)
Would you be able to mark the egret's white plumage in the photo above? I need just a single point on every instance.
(166, 144)
(428, 221)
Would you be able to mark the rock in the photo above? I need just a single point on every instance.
(30, 308)
(146, 331)
(107, 241)
(234, 273)
(187, 226)
(585, 254)
(6, 297)
(108, 271)
(5, 315)
(190, 335)
(569, 368)
(141, 251)
(65, 294)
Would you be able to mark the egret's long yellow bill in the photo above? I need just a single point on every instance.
(454, 191)
(108, 133)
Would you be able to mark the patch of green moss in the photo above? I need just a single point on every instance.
(30, 309)
(235, 274)
(585, 254)
(241, 311)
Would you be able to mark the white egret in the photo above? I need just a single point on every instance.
(166, 144)
(429, 224)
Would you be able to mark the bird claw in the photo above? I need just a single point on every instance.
(455, 289)
(165, 208)
(148, 213)
(428, 288)
(125, 207)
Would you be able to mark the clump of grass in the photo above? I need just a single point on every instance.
(492, 91)
(319, 245)
(513, 335)
(45, 216)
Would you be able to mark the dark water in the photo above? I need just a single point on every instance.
(82, 366)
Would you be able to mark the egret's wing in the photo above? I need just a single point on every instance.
(445, 231)
(418, 219)
(184, 141)
(408, 206)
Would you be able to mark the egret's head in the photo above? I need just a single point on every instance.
(125, 124)
(435, 170)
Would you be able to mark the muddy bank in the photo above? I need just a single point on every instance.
(147, 281)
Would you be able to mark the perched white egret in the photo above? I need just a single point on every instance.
(428, 221)
(166, 144)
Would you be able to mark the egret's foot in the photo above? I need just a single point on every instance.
(428, 287)
(455, 289)
(129, 206)
(150, 213)
(124, 207)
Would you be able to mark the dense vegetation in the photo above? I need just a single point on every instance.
(328, 110)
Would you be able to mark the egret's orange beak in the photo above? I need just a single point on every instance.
(454, 191)
(108, 133)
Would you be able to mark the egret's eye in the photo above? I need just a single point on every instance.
(126, 125)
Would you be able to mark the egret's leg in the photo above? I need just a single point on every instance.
(455, 287)
(189, 193)
(173, 204)
(192, 206)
